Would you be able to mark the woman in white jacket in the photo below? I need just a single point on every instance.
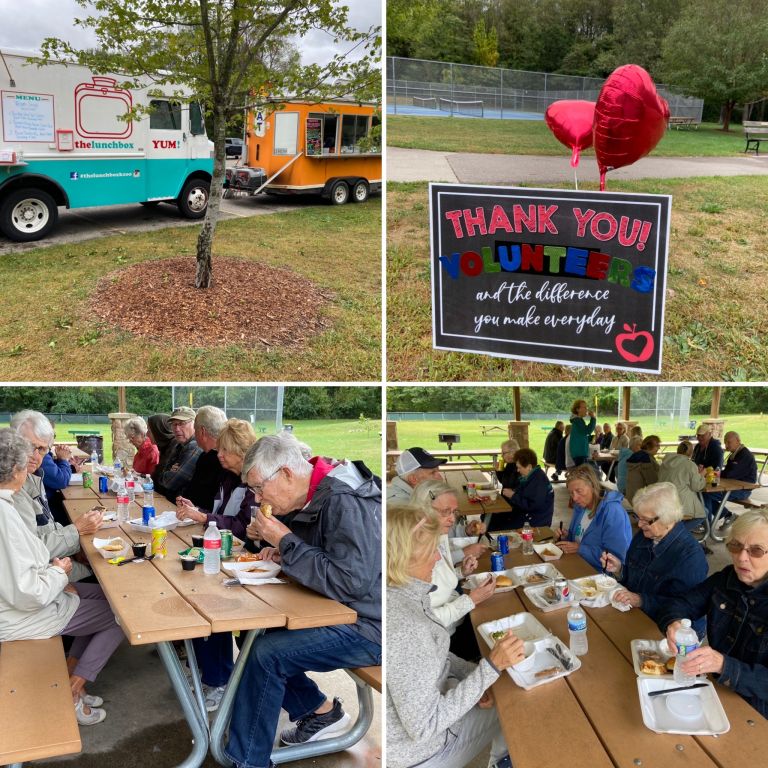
(438, 500)
(36, 599)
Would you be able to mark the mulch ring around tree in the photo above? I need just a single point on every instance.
(247, 304)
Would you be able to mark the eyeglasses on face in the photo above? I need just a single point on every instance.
(753, 550)
(41, 449)
(643, 520)
(446, 512)
(260, 487)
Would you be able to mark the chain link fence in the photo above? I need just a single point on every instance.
(418, 85)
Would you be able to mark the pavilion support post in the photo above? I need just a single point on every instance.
(120, 445)
(518, 410)
(518, 430)
(714, 410)
(391, 446)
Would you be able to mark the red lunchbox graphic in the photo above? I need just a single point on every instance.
(98, 107)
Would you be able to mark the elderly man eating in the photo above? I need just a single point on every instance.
(324, 527)
(414, 466)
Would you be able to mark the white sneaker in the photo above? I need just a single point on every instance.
(92, 718)
(92, 701)
(212, 695)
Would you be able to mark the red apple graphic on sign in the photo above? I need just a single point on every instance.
(631, 334)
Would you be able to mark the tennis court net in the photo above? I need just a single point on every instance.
(425, 102)
(469, 108)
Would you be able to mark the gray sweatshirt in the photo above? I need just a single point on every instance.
(428, 688)
(33, 603)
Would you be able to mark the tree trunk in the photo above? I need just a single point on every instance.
(727, 110)
(204, 273)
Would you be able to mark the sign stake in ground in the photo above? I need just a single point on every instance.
(555, 276)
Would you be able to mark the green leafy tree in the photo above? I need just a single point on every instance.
(717, 50)
(222, 52)
(406, 23)
(486, 44)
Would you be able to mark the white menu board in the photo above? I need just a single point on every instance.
(27, 117)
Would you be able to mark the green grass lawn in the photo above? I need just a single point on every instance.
(339, 438)
(753, 430)
(532, 137)
(717, 298)
(46, 332)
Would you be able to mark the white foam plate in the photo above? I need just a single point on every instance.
(476, 579)
(525, 626)
(521, 572)
(544, 550)
(167, 520)
(649, 645)
(536, 595)
(696, 712)
(267, 569)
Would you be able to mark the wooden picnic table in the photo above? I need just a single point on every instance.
(458, 481)
(724, 486)
(456, 453)
(158, 602)
(592, 718)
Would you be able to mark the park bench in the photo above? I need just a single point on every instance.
(683, 122)
(36, 702)
(754, 133)
(485, 429)
(369, 675)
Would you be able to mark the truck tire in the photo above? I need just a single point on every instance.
(193, 200)
(27, 215)
(339, 193)
(360, 191)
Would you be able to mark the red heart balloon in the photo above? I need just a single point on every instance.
(571, 121)
(630, 119)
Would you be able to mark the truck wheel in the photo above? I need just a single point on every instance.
(339, 193)
(193, 200)
(27, 215)
(360, 191)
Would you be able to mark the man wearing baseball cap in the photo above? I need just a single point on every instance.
(414, 466)
(181, 464)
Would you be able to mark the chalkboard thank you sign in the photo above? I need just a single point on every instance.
(570, 277)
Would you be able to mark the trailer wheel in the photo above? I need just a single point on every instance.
(27, 215)
(360, 191)
(339, 193)
(193, 200)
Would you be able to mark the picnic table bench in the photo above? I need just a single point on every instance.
(36, 702)
(754, 133)
(680, 121)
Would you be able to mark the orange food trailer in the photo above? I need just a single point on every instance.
(299, 147)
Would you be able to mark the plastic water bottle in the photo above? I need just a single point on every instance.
(577, 627)
(123, 504)
(211, 549)
(527, 536)
(118, 466)
(94, 463)
(686, 641)
(130, 487)
(149, 491)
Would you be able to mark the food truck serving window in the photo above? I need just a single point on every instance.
(321, 133)
(165, 115)
(196, 122)
(286, 133)
(353, 129)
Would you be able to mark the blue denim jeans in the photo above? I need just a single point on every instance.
(274, 679)
(712, 501)
(214, 658)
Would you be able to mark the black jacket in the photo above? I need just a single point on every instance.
(550, 445)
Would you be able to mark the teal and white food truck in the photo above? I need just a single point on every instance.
(64, 141)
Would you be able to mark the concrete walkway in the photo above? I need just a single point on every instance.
(470, 168)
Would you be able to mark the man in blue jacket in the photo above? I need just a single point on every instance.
(741, 465)
(325, 530)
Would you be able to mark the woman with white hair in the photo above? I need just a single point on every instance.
(147, 453)
(438, 500)
(735, 603)
(36, 599)
(663, 559)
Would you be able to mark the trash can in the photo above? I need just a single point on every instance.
(288, 427)
(91, 443)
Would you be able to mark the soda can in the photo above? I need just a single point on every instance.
(103, 484)
(226, 543)
(87, 480)
(503, 544)
(159, 542)
(562, 591)
(497, 561)
(147, 513)
(471, 491)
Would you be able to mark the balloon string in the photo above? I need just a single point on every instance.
(575, 157)
(602, 181)
(575, 179)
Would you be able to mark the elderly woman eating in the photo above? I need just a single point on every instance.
(36, 599)
(735, 602)
(599, 522)
(439, 711)
(438, 501)
(233, 502)
(663, 560)
(147, 453)
(532, 499)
